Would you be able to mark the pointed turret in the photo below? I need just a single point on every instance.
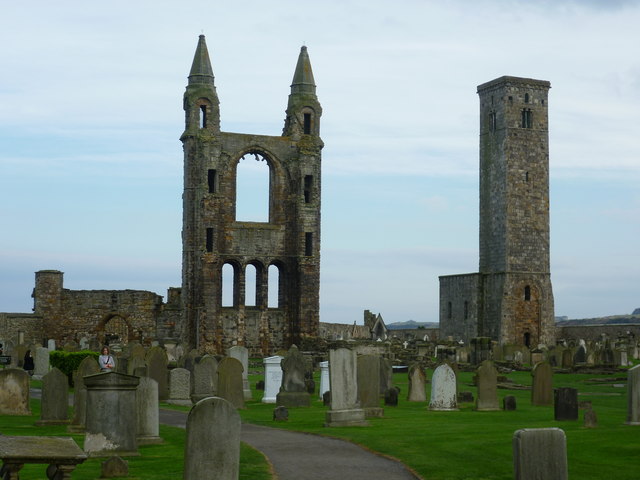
(201, 103)
(303, 109)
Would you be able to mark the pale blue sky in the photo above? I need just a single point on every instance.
(91, 113)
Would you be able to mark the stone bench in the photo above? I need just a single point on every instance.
(60, 453)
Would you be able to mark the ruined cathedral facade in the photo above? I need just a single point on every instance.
(510, 299)
(282, 254)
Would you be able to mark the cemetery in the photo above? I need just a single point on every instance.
(446, 414)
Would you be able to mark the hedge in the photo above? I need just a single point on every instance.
(68, 362)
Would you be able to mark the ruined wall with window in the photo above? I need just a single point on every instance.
(250, 281)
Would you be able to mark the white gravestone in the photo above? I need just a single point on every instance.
(272, 378)
(324, 378)
(443, 389)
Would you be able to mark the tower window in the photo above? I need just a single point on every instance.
(209, 240)
(526, 177)
(203, 116)
(307, 123)
(527, 293)
(526, 98)
(308, 184)
(449, 310)
(466, 309)
(492, 121)
(527, 118)
(527, 339)
(308, 244)
(211, 180)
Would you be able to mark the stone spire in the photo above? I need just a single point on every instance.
(303, 77)
(201, 71)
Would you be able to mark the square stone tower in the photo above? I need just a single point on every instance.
(214, 239)
(510, 299)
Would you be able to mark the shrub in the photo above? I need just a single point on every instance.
(68, 362)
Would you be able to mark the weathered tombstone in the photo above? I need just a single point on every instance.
(633, 396)
(157, 362)
(542, 385)
(590, 419)
(443, 389)
(487, 387)
(580, 356)
(148, 431)
(540, 454)
(41, 362)
(386, 375)
(567, 358)
(112, 414)
(114, 467)
(293, 392)
(417, 384)
(51, 344)
(212, 447)
(18, 353)
(326, 398)
(88, 366)
(465, 397)
(179, 387)
(324, 378)
(135, 363)
(14, 392)
(565, 405)
(391, 397)
(230, 381)
(369, 385)
(509, 403)
(242, 354)
(205, 378)
(345, 409)
(280, 414)
(55, 399)
(272, 378)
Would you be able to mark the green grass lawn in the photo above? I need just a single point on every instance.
(478, 445)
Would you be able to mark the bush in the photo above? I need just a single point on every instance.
(68, 362)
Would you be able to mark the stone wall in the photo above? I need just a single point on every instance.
(459, 304)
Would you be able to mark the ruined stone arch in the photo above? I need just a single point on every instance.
(278, 299)
(234, 283)
(114, 328)
(259, 287)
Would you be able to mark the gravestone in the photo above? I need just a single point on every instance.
(391, 397)
(114, 467)
(14, 392)
(443, 389)
(590, 419)
(212, 447)
(369, 385)
(41, 362)
(386, 375)
(179, 387)
(136, 363)
(293, 391)
(580, 356)
(542, 384)
(633, 396)
(487, 387)
(272, 378)
(112, 415)
(343, 375)
(230, 381)
(324, 378)
(157, 362)
(88, 366)
(51, 344)
(417, 384)
(540, 454)
(205, 378)
(55, 399)
(242, 354)
(565, 405)
(148, 431)
(326, 398)
(509, 403)
(280, 414)
(567, 358)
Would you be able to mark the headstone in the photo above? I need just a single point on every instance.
(134, 365)
(55, 399)
(326, 398)
(293, 392)
(369, 385)
(386, 375)
(509, 403)
(179, 387)
(280, 414)
(540, 454)
(114, 467)
(112, 415)
(580, 356)
(443, 389)
(157, 362)
(417, 384)
(590, 419)
(542, 385)
(230, 381)
(391, 397)
(88, 366)
(148, 431)
(565, 405)
(51, 344)
(41, 362)
(242, 354)
(205, 378)
(324, 378)
(14, 392)
(272, 378)
(465, 397)
(633, 396)
(487, 387)
(567, 358)
(212, 447)
(345, 409)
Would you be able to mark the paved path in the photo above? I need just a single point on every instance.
(296, 456)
